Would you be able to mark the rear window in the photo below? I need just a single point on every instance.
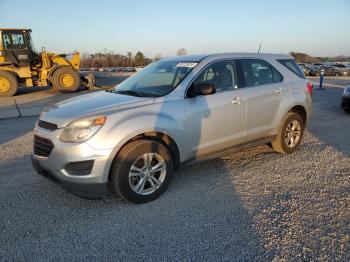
(256, 72)
(292, 66)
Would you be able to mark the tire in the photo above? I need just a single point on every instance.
(132, 155)
(279, 144)
(8, 84)
(347, 110)
(65, 79)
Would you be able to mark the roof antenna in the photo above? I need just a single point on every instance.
(259, 48)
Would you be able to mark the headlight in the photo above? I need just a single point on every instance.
(346, 91)
(81, 130)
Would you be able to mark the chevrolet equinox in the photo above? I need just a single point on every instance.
(175, 111)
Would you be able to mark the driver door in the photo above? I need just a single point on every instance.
(216, 122)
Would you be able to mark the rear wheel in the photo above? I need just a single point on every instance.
(8, 84)
(142, 171)
(290, 134)
(66, 79)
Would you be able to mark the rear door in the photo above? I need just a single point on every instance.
(265, 90)
(16, 47)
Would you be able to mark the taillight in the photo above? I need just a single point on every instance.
(310, 88)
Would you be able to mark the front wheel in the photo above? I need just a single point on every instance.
(142, 171)
(66, 79)
(290, 134)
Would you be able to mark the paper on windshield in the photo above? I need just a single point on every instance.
(186, 64)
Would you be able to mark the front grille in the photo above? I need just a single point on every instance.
(47, 125)
(42, 146)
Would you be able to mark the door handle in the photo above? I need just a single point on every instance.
(237, 100)
(278, 91)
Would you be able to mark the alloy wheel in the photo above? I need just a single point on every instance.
(292, 134)
(147, 173)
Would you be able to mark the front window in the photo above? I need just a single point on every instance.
(13, 40)
(157, 79)
(221, 74)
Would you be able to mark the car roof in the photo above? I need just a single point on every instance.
(198, 58)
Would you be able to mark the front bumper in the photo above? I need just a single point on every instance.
(78, 167)
(87, 190)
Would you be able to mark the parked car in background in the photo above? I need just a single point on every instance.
(342, 68)
(313, 71)
(175, 111)
(331, 71)
(304, 69)
(309, 70)
(317, 65)
(345, 100)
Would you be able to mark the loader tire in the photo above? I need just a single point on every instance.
(8, 84)
(66, 80)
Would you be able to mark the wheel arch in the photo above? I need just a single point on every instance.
(159, 137)
(165, 140)
(12, 72)
(300, 110)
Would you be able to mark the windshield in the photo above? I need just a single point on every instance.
(157, 79)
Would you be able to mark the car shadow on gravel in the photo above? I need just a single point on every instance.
(200, 217)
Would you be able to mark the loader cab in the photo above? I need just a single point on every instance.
(16, 48)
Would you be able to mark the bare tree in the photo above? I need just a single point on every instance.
(139, 59)
(181, 51)
(129, 55)
(110, 59)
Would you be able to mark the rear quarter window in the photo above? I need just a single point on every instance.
(292, 66)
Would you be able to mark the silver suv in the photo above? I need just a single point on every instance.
(175, 111)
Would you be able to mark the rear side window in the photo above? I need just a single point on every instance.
(254, 72)
(292, 66)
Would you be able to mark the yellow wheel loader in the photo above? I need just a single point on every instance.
(22, 65)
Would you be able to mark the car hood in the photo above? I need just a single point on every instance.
(96, 103)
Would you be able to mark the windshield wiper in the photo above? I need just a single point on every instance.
(130, 93)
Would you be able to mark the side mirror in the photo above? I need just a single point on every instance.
(201, 89)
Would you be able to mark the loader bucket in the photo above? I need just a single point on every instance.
(88, 81)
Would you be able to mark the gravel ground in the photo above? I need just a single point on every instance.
(255, 205)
